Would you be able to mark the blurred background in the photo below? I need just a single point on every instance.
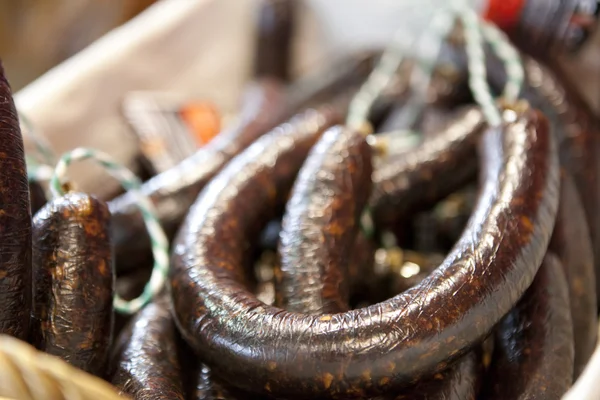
(196, 49)
(35, 35)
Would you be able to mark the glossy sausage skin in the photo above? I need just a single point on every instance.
(145, 362)
(264, 106)
(577, 133)
(321, 222)
(571, 244)
(459, 382)
(207, 387)
(173, 191)
(73, 281)
(274, 41)
(383, 346)
(533, 351)
(403, 184)
(15, 222)
(579, 145)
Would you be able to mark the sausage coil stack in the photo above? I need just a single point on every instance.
(306, 255)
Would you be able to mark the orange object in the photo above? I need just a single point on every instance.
(504, 13)
(203, 119)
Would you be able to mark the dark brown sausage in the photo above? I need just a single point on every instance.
(204, 385)
(295, 138)
(579, 144)
(578, 137)
(145, 361)
(265, 349)
(174, 191)
(264, 106)
(533, 351)
(310, 288)
(403, 184)
(571, 243)
(73, 281)
(15, 222)
(461, 381)
(210, 388)
(321, 222)
(274, 42)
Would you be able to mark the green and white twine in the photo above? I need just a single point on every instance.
(429, 44)
(130, 182)
(42, 147)
(380, 77)
(39, 164)
(476, 62)
(476, 30)
(515, 72)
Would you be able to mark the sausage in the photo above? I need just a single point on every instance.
(73, 281)
(321, 222)
(577, 133)
(37, 197)
(461, 381)
(579, 145)
(402, 184)
(571, 244)
(274, 43)
(294, 140)
(533, 351)
(206, 386)
(145, 361)
(173, 191)
(265, 349)
(15, 222)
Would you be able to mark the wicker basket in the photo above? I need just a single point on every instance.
(29, 374)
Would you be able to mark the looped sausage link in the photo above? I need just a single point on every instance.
(402, 183)
(145, 362)
(533, 350)
(15, 221)
(386, 345)
(73, 281)
(321, 222)
(571, 243)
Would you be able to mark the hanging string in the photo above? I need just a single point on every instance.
(476, 63)
(515, 72)
(42, 146)
(382, 74)
(429, 45)
(160, 244)
(39, 164)
(37, 172)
